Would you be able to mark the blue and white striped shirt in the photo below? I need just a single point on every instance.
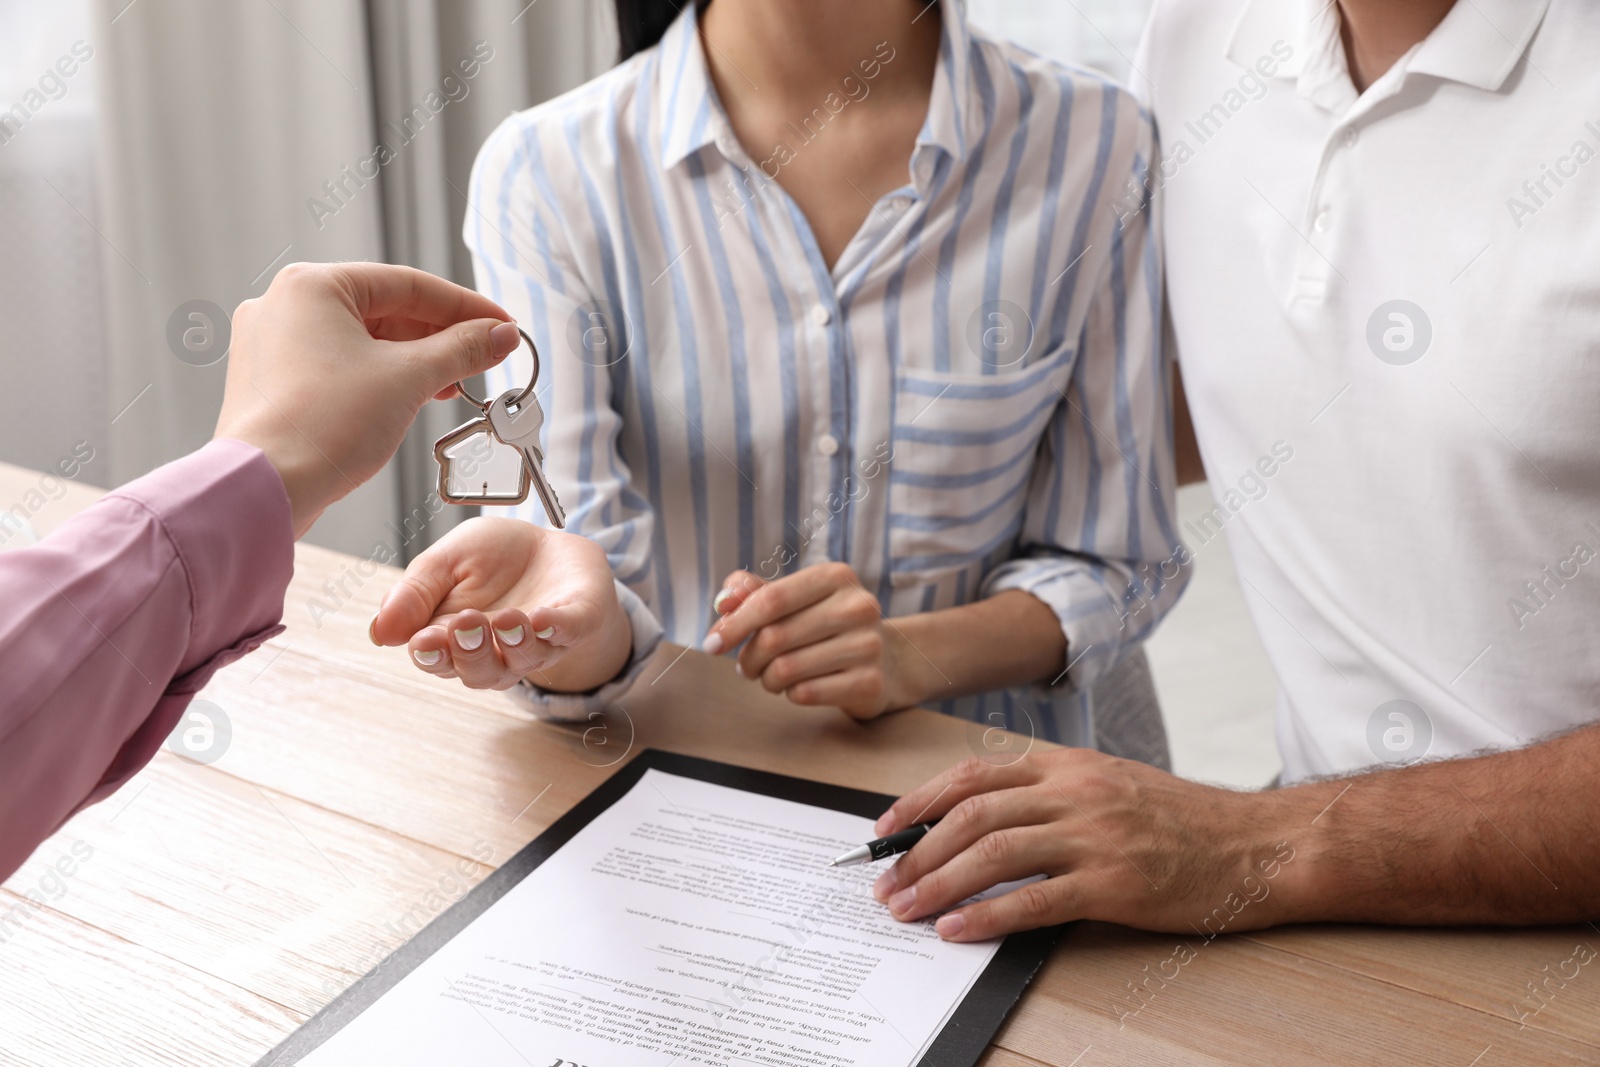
(973, 399)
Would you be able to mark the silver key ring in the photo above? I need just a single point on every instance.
(521, 397)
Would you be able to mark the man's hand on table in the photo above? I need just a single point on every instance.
(497, 600)
(1117, 840)
(1504, 839)
(330, 366)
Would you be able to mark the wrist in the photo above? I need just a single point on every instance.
(909, 679)
(1308, 884)
(304, 476)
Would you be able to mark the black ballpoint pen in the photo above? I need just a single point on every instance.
(884, 847)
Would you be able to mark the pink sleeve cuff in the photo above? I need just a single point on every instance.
(238, 566)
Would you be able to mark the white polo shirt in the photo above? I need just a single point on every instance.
(1391, 302)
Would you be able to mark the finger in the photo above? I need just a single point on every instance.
(522, 651)
(944, 791)
(460, 351)
(565, 625)
(413, 601)
(970, 821)
(382, 290)
(774, 601)
(858, 693)
(475, 653)
(1028, 907)
(430, 651)
(736, 589)
(1006, 855)
(808, 626)
(830, 655)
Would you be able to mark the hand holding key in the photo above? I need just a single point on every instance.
(331, 365)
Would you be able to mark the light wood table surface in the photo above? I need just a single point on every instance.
(220, 906)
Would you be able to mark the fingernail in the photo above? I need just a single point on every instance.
(470, 639)
(712, 644)
(902, 901)
(721, 599)
(884, 885)
(428, 657)
(738, 668)
(372, 630)
(885, 824)
(545, 634)
(950, 925)
(512, 636)
(504, 338)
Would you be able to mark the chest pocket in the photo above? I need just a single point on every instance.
(965, 449)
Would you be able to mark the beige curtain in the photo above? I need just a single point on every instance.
(239, 135)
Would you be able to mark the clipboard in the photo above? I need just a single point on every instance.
(965, 1037)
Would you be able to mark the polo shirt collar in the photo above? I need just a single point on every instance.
(1478, 44)
(692, 114)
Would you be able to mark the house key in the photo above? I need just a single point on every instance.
(517, 418)
(494, 460)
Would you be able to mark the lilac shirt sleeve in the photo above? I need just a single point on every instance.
(114, 621)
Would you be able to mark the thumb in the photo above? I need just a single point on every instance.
(409, 606)
(461, 351)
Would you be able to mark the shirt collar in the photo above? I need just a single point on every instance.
(683, 85)
(692, 116)
(952, 122)
(1478, 43)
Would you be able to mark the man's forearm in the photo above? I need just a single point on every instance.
(1009, 639)
(1507, 838)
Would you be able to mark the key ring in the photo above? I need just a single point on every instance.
(521, 397)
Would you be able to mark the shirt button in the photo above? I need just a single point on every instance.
(1351, 137)
(1322, 221)
(828, 445)
(821, 315)
(901, 203)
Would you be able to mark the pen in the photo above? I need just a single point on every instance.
(884, 847)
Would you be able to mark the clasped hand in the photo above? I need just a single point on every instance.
(818, 637)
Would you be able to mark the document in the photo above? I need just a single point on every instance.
(687, 923)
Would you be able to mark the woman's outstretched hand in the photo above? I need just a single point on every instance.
(498, 600)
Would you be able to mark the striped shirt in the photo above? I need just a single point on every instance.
(973, 399)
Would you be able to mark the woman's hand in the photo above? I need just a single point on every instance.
(497, 600)
(818, 637)
(1116, 840)
(330, 366)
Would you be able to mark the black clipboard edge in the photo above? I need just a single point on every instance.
(962, 1041)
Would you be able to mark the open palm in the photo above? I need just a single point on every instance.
(497, 600)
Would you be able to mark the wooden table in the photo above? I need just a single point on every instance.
(222, 905)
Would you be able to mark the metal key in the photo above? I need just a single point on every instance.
(475, 467)
(500, 447)
(518, 425)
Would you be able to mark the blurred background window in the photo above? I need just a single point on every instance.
(1101, 34)
(51, 301)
